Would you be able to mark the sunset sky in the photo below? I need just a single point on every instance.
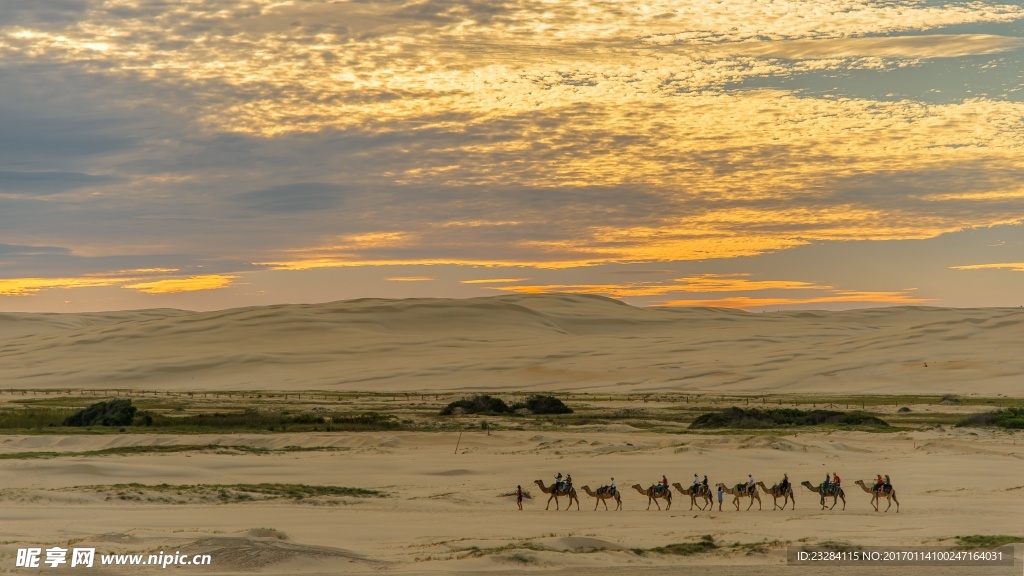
(760, 154)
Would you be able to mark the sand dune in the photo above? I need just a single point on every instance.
(519, 342)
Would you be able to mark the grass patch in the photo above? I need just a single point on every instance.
(223, 493)
(1011, 418)
(118, 414)
(267, 533)
(130, 450)
(783, 417)
(987, 541)
(705, 544)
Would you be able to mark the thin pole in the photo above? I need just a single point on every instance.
(457, 443)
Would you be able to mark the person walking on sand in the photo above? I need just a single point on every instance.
(720, 491)
(519, 496)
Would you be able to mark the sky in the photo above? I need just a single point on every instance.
(755, 154)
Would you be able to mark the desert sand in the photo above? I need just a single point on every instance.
(515, 342)
(445, 510)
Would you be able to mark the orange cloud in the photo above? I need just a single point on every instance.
(493, 281)
(1015, 266)
(744, 302)
(696, 283)
(30, 286)
(411, 279)
(190, 284)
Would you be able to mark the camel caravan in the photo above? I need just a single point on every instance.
(702, 495)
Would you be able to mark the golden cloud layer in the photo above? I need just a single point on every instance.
(560, 96)
(746, 303)
(1015, 266)
(190, 284)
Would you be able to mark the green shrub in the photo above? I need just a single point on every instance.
(118, 412)
(541, 404)
(481, 403)
(783, 417)
(1012, 418)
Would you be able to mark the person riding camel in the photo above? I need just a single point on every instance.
(784, 485)
(751, 487)
(879, 483)
(835, 480)
(704, 483)
(568, 482)
(663, 485)
(611, 487)
(558, 481)
(826, 485)
(888, 484)
(696, 483)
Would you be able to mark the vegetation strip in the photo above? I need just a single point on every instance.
(128, 450)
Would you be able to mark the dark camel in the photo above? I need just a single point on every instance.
(702, 492)
(603, 494)
(741, 490)
(556, 493)
(653, 495)
(889, 495)
(835, 492)
(777, 492)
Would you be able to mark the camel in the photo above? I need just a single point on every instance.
(653, 494)
(777, 492)
(603, 495)
(889, 495)
(836, 495)
(703, 492)
(556, 493)
(741, 490)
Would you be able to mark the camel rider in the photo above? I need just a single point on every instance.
(835, 480)
(705, 484)
(888, 484)
(750, 484)
(784, 485)
(879, 482)
(568, 482)
(826, 485)
(663, 485)
(696, 483)
(558, 481)
(611, 488)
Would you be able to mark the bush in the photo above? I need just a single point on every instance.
(481, 403)
(540, 404)
(1012, 418)
(118, 412)
(783, 417)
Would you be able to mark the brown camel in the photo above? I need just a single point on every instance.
(835, 492)
(889, 495)
(603, 494)
(703, 492)
(777, 492)
(556, 493)
(741, 490)
(653, 494)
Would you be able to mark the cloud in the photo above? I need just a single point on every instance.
(190, 284)
(297, 197)
(207, 136)
(493, 280)
(747, 303)
(926, 46)
(43, 183)
(1015, 266)
(411, 279)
